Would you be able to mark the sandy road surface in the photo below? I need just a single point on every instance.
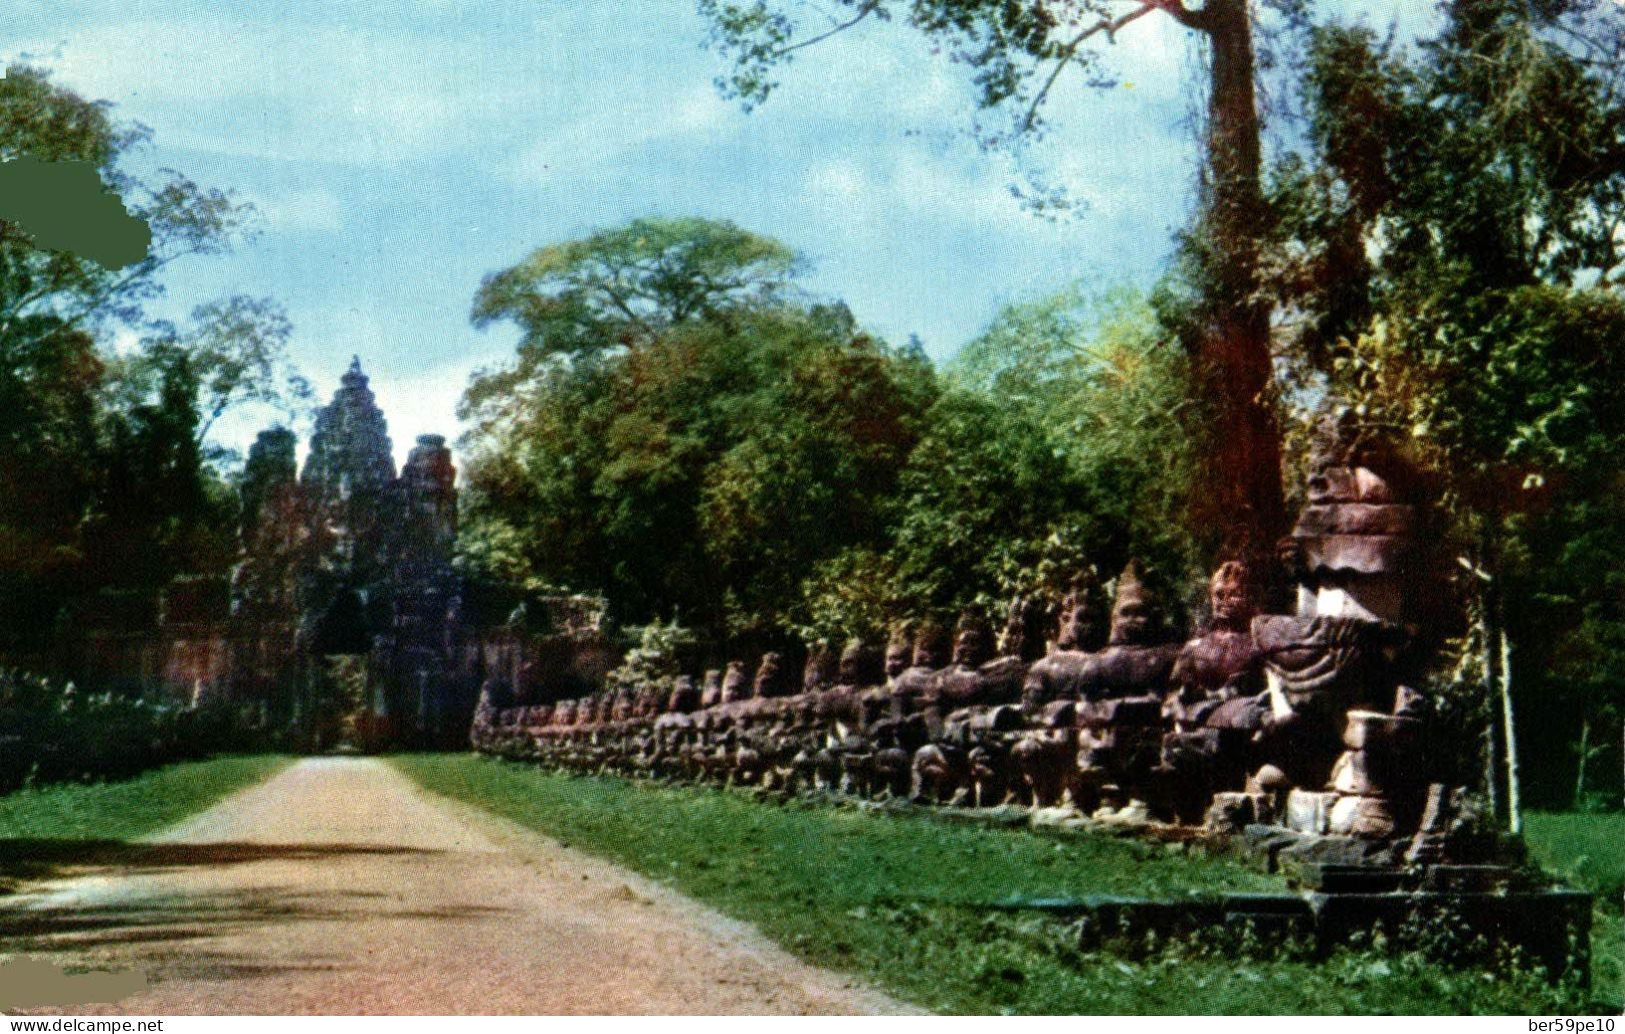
(339, 887)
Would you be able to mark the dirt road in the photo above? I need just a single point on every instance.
(339, 887)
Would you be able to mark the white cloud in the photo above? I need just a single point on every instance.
(422, 403)
(840, 180)
(287, 89)
(313, 210)
(617, 124)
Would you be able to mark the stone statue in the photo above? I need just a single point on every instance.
(1042, 759)
(904, 728)
(1349, 550)
(1215, 701)
(840, 711)
(711, 691)
(1118, 715)
(772, 678)
(736, 685)
(972, 712)
(685, 696)
(822, 668)
(1055, 676)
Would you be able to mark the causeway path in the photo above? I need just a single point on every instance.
(339, 887)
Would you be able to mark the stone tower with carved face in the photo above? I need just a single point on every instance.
(354, 560)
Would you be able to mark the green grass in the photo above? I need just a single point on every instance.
(1588, 851)
(901, 900)
(58, 824)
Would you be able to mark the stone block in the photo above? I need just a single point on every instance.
(1352, 774)
(1362, 816)
(1349, 518)
(1123, 711)
(1336, 850)
(1474, 878)
(1230, 813)
(1309, 812)
(1264, 806)
(1339, 878)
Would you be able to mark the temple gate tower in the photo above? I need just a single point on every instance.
(348, 485)
(350, 560)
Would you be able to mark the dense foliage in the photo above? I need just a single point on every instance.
(694, 460)
(756, 465)
(1453, 244)
(1440, 238)
(50, 732)
(112, 485)
(112, 488)
(1017, 55)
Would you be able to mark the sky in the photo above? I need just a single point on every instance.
(399, 152)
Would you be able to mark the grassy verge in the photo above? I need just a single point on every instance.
(901, 900)
(1588, 851)
(60, 824)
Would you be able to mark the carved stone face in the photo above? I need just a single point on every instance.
(1079, 623)
(898, 656)
(971, 647)
(735, 684)
(851, 663)
(711, 692)
(1013, 639)
(857, 663)
(684, 696)
(1233, 597)
(1134, 620)
(815, 675)
(768, 675)
(1023, 634)
(928, 649)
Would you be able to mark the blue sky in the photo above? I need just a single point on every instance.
(398, 152)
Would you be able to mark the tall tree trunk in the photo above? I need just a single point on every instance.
(1235, 350)
(1489, 665)
(1585, 755)
(1514, 808)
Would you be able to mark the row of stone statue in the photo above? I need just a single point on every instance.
(1299, 720)
(1132, 729)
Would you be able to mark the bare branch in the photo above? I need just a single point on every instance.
(869, 7)
(1109, 26)
(1180, 13)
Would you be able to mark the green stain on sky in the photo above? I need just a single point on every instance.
(67, 207)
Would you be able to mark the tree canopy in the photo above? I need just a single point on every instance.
(698, 444)
(103, 447)
(1017, 53)
(624, 286)
(763, 469)
(1450, 249)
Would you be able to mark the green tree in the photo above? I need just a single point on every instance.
(160, 511)
(980, 497)
(44, 293)
(617, 288)
(683, 456)
(237, 352)
(1106, 391)
(1017, 53)
(826, 439)
(71, 435)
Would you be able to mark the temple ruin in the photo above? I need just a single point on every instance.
(345, 620)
